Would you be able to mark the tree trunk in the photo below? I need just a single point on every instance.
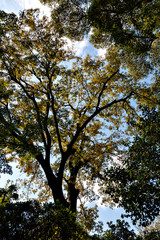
(73, 195)
(54, 183)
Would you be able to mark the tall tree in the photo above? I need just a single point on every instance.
(131, 24)
(59, 108)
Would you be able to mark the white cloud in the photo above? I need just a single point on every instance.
(101, 52)
(27, 4)
(80, 47)
(84, 47)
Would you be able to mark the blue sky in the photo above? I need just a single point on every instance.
(18, 5)
(82, 48)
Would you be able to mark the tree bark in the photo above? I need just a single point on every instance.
(73, 195)
(54, 183)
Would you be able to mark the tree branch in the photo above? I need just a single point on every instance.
(32, 98)
(48, 145)
(55, 118)
(104, 87)
(97, 111)
(123, 9)
(15, 133)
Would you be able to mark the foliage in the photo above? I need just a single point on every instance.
(133, 25)
(58, 110)
(152, 231)
(154, 234)
(4, 166)
(120, 231)
(8, 193)
(31, 220)
(135, 184)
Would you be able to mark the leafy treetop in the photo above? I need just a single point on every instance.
(58, 109)
(132, 24)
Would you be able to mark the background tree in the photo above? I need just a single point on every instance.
(33, 220)
(138, 178)
(59, 108)
(120, 231)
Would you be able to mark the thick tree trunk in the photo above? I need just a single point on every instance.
(73, 195)
(56, 186)
(55, 183)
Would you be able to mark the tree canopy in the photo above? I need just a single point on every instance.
(32, 220)
(134, 25)
(138, 178)
(65, 118)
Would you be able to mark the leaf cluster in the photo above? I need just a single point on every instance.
(31, 220)
(135, 184)
(8, 194)
(4, 166)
